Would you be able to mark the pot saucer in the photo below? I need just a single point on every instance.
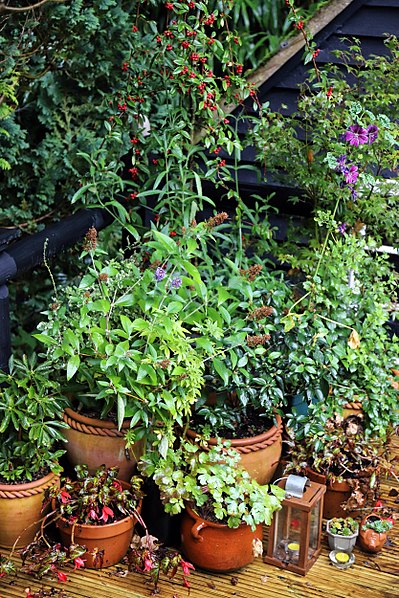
(344, 564)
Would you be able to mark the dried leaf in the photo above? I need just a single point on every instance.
(257, 547)
(393, 492)
(211, 585)
(234, 580)
(354, 340)
(264, 579)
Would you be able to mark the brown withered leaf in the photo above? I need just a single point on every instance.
(354, 340)
(211, 585)
(393, 492)
(234, 580)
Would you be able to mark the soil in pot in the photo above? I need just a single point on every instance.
(215, 546)
(95, 442)
(21, 510)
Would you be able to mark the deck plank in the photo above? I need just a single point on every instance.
(372, 576)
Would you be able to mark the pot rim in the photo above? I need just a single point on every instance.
(29, 485)
(237, 442)
(99, 423)
(196, 517)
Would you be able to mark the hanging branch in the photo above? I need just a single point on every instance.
(14, 9)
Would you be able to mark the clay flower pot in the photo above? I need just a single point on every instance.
(260, 454)
(20, 510)
(111, 540)
(369, 539)
(95, 442)
(215, 546)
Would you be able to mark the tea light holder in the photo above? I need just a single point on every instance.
(295, 533)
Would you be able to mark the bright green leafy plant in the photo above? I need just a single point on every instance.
(31, 407)
(213, 484)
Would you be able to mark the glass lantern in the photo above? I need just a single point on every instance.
(295, 533)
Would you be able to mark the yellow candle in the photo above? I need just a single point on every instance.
(341, 557)
(293, 546)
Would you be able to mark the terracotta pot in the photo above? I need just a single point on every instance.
(217, 547)
(336, 494)
(95, 442)
(20, 510)
(369, 539)
(260, 454)
(112, 538)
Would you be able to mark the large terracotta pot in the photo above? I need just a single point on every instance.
(260, 454)
(95, 442)
(112, 538)
(369, 539)
(20, 510)
(217, 547)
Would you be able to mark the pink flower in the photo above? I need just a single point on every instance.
(351, 174)
(186, 566)
(65, 497)
(79, 562)
(148, 564)
(107, 512)
(61, 577)
(93, 515)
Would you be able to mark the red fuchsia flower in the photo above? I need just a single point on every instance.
(79, 562)
(169, 6)
(134, 29)
(316, 53)
(65, 497)
(372, 133)
(106, 513)
(61, 577)
(378, 505)
(298, 25)
(329, 91)
(356, 135)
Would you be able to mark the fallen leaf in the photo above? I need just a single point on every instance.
(264, 579)
(211, 585)
(393, 492)
(234, 580)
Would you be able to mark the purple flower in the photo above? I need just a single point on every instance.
(341, 161)
(176, 282)
(342, 227)
(354, 193)
(372, 132)
(356, 135)
(351, 174)
(160, 273)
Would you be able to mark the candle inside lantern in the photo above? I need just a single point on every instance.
(293, 546)
(293, 550)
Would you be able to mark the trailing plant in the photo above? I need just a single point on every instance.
(212, 483)
(31, 406)
(96, 499)
(339, 449)
(147, 555)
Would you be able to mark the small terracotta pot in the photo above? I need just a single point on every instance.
(20, 510)
(112, 538)
(369, 539)
(215, 546)
(95, 442)
(260, 454)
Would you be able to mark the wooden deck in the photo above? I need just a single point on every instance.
(372, 576)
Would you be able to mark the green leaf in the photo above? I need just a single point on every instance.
(221, 370)
(72, 366)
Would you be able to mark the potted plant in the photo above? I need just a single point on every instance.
(224, 508)
(97, 511)
(342, 533)
(373, 532)
(31, 426)
(124, 340)
(244, 375)
(336, 451)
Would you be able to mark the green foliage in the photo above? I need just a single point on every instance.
(95, 499)
(343, 526)
(31, 407)
(377, 524)
(213, 480)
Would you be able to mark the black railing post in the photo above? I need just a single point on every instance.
(5, 332)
